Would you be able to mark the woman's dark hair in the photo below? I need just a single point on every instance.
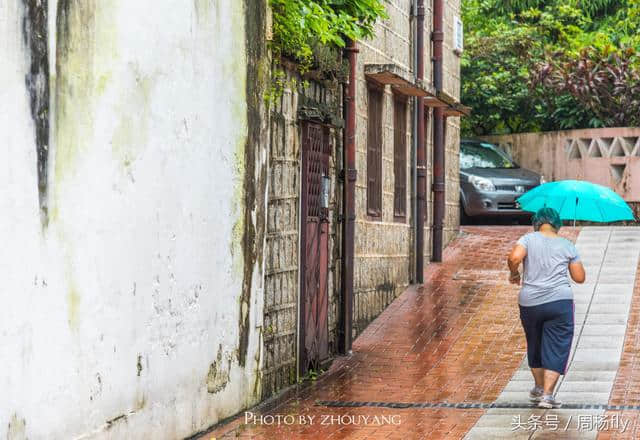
(546, 215)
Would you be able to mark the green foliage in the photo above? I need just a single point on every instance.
(590, 8)
(312, 375)
(607, 83)
(507, 42)
(301, 26)
(495, 82)
(279, 82)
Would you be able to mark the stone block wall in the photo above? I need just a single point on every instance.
(382, 246)
(282, 274)
(281, 253)
(384, 256)
(452, 183)
(452, 180)
(451, 68)
(451, 84)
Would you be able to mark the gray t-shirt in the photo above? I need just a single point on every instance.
(546, 269)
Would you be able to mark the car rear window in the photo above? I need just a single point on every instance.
(483, 155)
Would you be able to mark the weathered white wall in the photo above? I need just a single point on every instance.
(125, 307)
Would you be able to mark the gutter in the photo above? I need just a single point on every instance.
(348, 203)
(414, 150)
(437, 38)
(421, 168)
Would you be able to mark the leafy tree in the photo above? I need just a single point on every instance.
(591, 8)
(510, 43)
(495, 81)
(606, 83)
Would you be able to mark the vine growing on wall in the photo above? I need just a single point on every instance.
(301, 26)
(311, 33)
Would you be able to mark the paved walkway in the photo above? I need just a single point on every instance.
(448, 360)
(602, 304)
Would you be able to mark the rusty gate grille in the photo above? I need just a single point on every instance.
(317, 167)
(316, 153)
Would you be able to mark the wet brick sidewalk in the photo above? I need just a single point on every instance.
(457, 340)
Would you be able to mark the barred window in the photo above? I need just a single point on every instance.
(400, 157)
(374, 151)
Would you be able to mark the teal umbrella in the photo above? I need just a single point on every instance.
(577, 200)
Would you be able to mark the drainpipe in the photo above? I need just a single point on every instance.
(414, 151)
(438, 134)
(421, 168)
(348, 203)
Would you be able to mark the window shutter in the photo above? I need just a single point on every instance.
(374, 152)
(400, 157)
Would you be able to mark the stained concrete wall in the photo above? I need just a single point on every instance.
(132, 222)
(607, 156)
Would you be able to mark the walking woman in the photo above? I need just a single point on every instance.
(546, 301)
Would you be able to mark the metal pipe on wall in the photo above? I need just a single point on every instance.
(414, 150)
(421, 165)
(348, 205)
(437, 38)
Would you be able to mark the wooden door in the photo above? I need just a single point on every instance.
(314, 269)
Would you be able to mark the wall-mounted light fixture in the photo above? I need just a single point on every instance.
(326, 188)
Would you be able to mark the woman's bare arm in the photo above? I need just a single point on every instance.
(576, 270)
(515, 258)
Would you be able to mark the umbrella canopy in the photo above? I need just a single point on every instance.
(577, 200)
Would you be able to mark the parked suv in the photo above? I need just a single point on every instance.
(490, 181)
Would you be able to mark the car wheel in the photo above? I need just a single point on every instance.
(464, 218)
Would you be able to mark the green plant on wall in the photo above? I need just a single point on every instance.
(301, 27)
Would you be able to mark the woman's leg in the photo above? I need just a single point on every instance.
(538, 376)
(557, 335)
(550, 380)
(532, 325)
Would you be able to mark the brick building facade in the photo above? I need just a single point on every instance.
(384, 250)
(384, 243)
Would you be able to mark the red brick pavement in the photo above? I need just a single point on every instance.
(456, 339)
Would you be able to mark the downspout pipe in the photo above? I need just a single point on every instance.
(414, 150)
(421, 155)
(437, 38)
(348, 203)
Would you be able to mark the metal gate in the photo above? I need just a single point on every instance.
(314, 268)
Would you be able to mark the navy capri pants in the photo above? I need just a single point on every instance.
(549, 331)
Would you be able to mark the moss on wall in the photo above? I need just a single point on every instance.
(86, 36)
(35, 31)
(255, 178)
(75, 47)
(131, 133)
